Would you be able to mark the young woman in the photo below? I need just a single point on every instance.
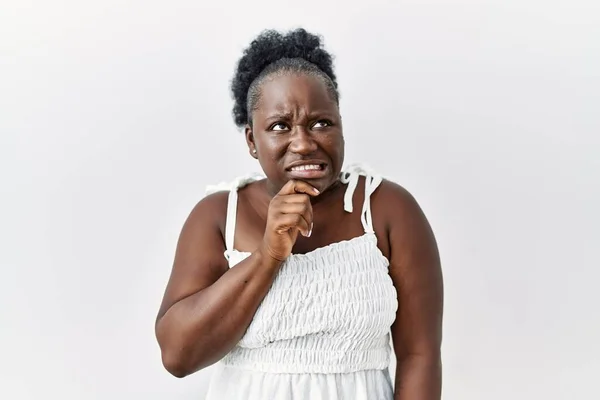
(294, 279)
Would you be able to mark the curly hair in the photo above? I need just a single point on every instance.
(273, 52)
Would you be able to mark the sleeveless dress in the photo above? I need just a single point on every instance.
(322, 332)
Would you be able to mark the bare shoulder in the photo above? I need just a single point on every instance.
(395, 205)
(412, 244)
(211, 211)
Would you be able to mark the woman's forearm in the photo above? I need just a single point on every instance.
(419, 377)
(199, 330)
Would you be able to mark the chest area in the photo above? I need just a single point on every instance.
(339, 291)
(331, 223)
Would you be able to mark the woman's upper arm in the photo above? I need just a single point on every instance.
(416, 272)
(199, 259)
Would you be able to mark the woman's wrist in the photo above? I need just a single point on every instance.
(267, 259)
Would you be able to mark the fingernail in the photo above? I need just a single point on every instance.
(310, 231)
(317, 191)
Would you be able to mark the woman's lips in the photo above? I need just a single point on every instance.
(314, 171)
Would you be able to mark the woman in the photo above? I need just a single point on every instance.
(280, 278)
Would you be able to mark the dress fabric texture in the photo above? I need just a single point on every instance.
(323, 330)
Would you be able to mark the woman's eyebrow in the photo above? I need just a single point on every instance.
(279, 115)
(289, 115)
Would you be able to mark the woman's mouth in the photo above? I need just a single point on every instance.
(308, 171)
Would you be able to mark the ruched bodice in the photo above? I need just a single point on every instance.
(328, 311)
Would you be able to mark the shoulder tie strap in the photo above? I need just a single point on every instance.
(372, 181)
(232, 187)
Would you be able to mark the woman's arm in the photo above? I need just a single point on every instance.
(416, 272)
(207, 306)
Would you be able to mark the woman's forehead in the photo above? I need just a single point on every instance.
(283, 92)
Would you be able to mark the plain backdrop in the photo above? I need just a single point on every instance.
(115, 115)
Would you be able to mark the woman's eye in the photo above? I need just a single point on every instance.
(321, 124)
(280, 126)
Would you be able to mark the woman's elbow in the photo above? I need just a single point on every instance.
(182, 354)
(174, 364)
(173, 356)
(181, 361)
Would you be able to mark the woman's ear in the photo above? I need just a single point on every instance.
(250, 141)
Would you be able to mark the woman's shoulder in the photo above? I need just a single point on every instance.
(390, 198)
(214, 202)
(395, 209)
(393, 193)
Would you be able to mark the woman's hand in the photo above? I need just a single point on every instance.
(289, 212)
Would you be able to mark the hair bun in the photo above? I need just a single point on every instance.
(269, 47)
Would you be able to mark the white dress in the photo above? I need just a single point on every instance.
(323, 330)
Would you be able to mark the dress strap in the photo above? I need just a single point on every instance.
(232, 187)
(372, 180)
(231, 217)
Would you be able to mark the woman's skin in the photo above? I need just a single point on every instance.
(207, 306)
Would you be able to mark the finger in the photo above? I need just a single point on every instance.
(285, 222)
(293, 198)
(304, 209)
(294, 186)
(278, 201)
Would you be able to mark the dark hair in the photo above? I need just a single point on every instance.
(272, 52)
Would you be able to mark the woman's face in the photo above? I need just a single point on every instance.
(297, 131)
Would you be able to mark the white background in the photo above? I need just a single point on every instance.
(114, 115)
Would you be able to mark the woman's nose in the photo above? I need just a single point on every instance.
(302, 141)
